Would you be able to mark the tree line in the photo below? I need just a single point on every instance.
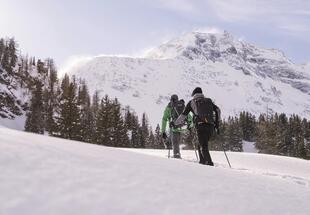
(274, 133)
(68, 111)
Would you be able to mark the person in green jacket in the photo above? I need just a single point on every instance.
(171, 113)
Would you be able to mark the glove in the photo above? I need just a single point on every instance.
(189, 128)
(171, 124)
(164, 135)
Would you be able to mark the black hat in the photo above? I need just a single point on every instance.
(174, 98)
(196, 90)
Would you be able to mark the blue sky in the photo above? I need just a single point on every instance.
(62, 29)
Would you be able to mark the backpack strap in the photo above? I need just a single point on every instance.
(176, 111)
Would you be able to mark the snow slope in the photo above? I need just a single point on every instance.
(45, 175)
(239, 76)
(17, 123)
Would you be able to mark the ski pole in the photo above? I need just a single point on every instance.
(195, 151)
(166, 143)
(193, 141)
(168, 152)
(169, 143)
(226, 155)
(194, 145)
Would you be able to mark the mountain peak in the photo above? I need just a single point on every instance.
(215, 46)
(190, 41)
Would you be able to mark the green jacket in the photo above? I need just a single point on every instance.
(167, 118)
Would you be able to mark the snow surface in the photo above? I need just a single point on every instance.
(17, 123)
(249, 147)
(45, 175)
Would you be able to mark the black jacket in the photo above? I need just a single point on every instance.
(191, 107)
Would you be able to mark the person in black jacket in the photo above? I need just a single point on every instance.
(204, 127)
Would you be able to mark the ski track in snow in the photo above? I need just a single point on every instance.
(295, 179)
(191, 158)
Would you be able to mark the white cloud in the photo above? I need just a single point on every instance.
(77, 61)
(242, 10)
(73, 62)
(233, 11)
(178, 5)
(298, 28)
(302, 12)
(212, 30)
(286, 15)
(276, 12)
(142, 53)
(289, 17)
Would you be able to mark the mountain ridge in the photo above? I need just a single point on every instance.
(238, 75)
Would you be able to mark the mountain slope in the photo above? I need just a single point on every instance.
(237, 75)
(45, 175)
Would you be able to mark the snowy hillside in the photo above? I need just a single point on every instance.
(45, 175)
(237, 75)
(19, 76)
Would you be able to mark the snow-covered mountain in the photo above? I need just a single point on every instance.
(46, 175)
(237, 75)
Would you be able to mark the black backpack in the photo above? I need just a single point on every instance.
(205, 113)
(177, 108)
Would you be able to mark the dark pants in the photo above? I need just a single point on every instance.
(204, 132)
(176, 139)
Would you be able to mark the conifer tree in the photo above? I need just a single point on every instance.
(261, 138)
(227, 134)
(235, 136)
(128, 118)
(247, 123)
(135, 132)
(34, 122)
(306, 130)
(144, 131)
(151, 143)
(282, 136)
(299, 149)
(69, 118)
(50, 98)
(5, 60)
(2, 48)
(103, 120)
(86, 114)
(12, 49)
(118, 128)
(95, 105)
(158, 138)
(271, 130)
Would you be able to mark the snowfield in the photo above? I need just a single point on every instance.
(45, 175)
